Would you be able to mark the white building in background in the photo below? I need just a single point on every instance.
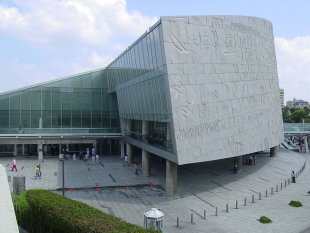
(297, 103)
(282, 97)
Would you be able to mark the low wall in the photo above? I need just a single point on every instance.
(8, 221)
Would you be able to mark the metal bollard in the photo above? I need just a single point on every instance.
(215, 211)
(266, 194)
(245, 201)
(271, 192)
(204, 214)
(260, 196)
(236, 204)
(178, 224)
(227, 208)
(284, 183)
(192, 218)
(277, 188)
(253, 199)
(281, 186)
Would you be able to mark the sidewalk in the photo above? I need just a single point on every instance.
(202, 186)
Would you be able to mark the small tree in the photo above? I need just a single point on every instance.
(298, 115)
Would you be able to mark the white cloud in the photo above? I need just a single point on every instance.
(293, 57)
(64, 37)
(18, 74)
(69, 21)
(97, 59)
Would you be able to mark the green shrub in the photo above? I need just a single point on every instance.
(22, 208)
(264, 219)
(50, 212)
(295, 204)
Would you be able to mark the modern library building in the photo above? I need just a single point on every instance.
(191, 89)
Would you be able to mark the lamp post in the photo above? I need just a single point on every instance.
(62, 159)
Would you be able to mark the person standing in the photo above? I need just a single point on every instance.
(37, 172)
(74, 157)
(81, 155)
(293, 177)
(87, 154)
(136, 167)
(126, 161)
(14, 164)
(235, 167)
(251, 160)
(40, 171)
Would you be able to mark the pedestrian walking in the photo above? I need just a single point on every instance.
(97, 158)
(74, 157)
(93, 151)
(93, 159)
(14, 164)
(126, 161)
(293, 177)
(38, 172)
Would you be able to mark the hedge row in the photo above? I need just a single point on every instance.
(44, 211)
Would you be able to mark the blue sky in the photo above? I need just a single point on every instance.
(47, 39)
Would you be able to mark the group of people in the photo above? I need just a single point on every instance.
(297, 141)
(38, 171)
(84, 156)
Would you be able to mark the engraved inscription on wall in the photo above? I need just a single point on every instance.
(223, 84)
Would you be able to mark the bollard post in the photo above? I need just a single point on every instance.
(236, 204)
(192, 218)
(215, 211)
(178, 224)
(266, 194)
(204, 214)
(284, 183)
(277, 188)
(245, 201)
(271, 190)
(253, 199)
(227, 208)
(281, 186)
(260, 196)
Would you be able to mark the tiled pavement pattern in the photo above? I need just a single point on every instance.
(202, 187)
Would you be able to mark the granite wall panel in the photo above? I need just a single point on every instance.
(224, 86)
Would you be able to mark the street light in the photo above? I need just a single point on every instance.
(61, 158)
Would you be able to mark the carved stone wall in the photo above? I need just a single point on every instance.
(223, 84)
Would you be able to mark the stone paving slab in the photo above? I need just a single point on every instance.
(202, 186)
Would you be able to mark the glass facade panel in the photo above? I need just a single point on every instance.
(63, 106)
(138, 76)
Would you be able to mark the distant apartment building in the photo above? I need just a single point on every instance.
(297, 103)
(282, 97)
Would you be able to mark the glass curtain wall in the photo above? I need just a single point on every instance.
(79, 104)
(138, 76)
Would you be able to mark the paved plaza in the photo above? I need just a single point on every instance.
(201, 187)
